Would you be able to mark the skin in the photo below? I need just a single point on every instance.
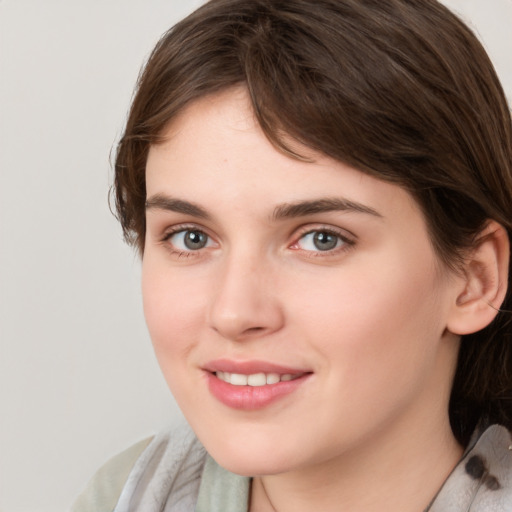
(367, 319)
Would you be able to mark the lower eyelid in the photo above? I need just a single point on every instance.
(335, 253)
(183, 254)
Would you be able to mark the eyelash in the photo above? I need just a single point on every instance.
(344, 243)
(183, 228)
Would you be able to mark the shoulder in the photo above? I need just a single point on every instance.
(104, 488)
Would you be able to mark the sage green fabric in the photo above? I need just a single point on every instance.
(222, 491)
(103, 490)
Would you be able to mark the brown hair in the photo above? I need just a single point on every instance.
(400, 89)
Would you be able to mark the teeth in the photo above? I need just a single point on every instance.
(255, 379)
(238, 379)
(273, 378)
(226, 377)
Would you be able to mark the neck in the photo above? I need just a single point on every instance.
(393, 471)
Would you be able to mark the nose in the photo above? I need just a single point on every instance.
(245, 303)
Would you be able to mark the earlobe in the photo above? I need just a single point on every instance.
(484, 282)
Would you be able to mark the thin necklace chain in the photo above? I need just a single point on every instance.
(267, 496)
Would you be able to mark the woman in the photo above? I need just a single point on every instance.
(321, 193)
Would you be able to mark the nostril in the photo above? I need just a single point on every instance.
(254, 329)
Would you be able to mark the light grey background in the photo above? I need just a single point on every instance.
(78, 380)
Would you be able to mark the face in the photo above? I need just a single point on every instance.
(290, 303)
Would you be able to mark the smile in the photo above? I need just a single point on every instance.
(255, 379)
(252, 385)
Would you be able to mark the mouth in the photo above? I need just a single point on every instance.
(256, 379)
(252, 385)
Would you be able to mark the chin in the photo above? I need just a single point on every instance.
(244, 467)
(250, 458)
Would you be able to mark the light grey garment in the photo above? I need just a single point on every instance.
(482, 481)
(175, 474)
(167, 475)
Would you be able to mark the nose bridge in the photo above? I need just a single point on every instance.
(245, 302)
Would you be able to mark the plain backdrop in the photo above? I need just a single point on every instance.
(78, 379)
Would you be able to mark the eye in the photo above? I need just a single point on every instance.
(189, 240)
(321, 241)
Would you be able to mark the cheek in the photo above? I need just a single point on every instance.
(377, 335)
(173, 308)
(173, 314)
(375, 323)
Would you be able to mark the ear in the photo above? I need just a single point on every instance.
(484, 282)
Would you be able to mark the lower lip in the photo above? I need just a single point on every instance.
(250, 398)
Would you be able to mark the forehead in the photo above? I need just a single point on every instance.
(215, 152)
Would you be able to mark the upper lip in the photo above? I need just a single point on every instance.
(250, 367)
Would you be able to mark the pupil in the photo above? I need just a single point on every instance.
(325, 241)
(195, 240)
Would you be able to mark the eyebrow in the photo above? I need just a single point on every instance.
(303, 208)
(282, 211)
(161, 202)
